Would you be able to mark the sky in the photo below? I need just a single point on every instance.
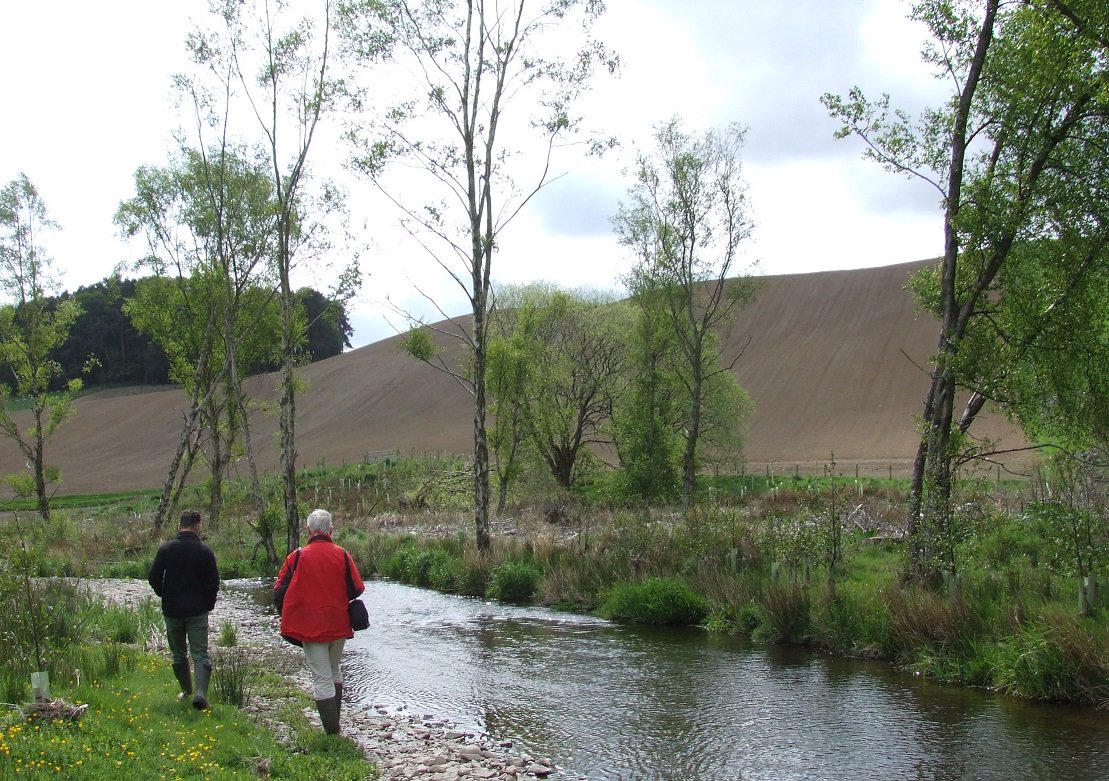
(87, 91)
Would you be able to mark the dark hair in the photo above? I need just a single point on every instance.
(190, 519)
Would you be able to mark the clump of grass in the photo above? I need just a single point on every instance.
(1058, 656)
(473, 574)
(655, 601)
(731, 601)
(920, 618)
(228, 635)
(787, 617)
(120, 624)
(575, 583)
(852, 621)
(514, 581)
(232, 676)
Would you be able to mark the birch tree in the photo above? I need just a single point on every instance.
(30, 331)
(497, 84)
(281, 68)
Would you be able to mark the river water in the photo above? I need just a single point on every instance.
(605, 701)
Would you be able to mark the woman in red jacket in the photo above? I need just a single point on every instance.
(317, 582)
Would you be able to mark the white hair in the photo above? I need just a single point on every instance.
(319, 521)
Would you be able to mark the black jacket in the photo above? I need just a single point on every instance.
(185, 576)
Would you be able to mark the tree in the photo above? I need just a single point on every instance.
(106, 349)
(30, 331)
(686, 219)
(328, 330)
(559, 368)
(478, 60)
(103, 333)
(282, 69)
(647, 419)
(1018, 159)
(209, 221)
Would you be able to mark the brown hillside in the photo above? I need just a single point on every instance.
(833, 366)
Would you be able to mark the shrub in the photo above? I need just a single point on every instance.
(655, 601)
(419, 568)
(514, 581)
(125, 569)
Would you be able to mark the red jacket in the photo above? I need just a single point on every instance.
(315, 607)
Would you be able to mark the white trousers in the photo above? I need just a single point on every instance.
(323, 663)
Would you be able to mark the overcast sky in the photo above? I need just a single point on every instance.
(87, 100)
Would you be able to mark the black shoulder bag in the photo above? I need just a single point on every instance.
(356, 608)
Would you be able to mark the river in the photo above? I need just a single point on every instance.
(606, 701)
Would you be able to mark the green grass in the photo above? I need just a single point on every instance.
(663, 601)
(123, 501)
(135, 729)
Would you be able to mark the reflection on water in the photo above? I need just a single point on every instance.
(613, 702)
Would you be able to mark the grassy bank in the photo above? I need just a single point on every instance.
(114, 715)
(1015, 632)
(133, 729)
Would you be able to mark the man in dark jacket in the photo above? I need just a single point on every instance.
(185, 576)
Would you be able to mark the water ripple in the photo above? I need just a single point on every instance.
(611, 703)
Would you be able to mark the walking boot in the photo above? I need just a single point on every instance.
(203, 673)
(339, 694)
(185, 678)
(329, 714)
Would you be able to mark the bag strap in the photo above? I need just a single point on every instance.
(283, 586)
(350, 579)
(292, 571)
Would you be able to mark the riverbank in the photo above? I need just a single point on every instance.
(402, 745)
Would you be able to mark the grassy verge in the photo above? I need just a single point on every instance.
(117, 716)
(134, 729)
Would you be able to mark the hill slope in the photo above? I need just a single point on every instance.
(834, 361)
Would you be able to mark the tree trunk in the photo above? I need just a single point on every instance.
(217, 463)
(287, 433)
(930, 495)
(265, 534)
(167, 499)
(481, 444)
(689, 457)
(41, 496)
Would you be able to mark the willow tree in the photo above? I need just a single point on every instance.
(1018, 160)
(31, 329)
(499, 80)
(556, 369)
(686, 218)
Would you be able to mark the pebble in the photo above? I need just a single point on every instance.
(403, 745)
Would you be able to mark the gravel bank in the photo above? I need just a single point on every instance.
(404, 746)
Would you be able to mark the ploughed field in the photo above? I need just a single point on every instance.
(836, 363)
